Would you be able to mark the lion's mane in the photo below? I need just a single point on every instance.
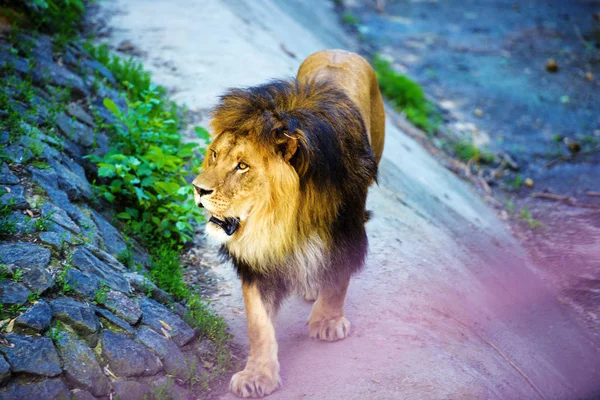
(303, 238)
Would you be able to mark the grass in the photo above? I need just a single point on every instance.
(533, 223)
(405, 95)
(58, 17)
(350, 19)
(466, 151)
(517, 182)
(143, 176)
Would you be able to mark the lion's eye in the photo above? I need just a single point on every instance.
(241, 166)
(214, 155)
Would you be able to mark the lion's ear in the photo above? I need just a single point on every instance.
(291, 146)
(293, 149)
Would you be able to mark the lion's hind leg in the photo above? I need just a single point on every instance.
(327, 321)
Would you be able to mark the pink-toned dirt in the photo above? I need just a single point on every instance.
(448, 305)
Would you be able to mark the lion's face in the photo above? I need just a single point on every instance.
(234, 182)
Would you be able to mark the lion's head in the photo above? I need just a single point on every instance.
(242, 178)
(285, 159)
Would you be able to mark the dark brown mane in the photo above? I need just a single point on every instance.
(333, 143)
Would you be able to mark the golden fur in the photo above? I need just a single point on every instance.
(291, 162)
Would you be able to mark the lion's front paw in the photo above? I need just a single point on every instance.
(329, 330)
(254, 382)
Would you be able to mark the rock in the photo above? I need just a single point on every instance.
(114, 320)
(18, 154)
(20, 65)
(127, 357)
(13, 293)
(42, 47)
(80, 365)
(48, 180)
(101, 69)
(64, 234)
(22, 224)
(75, 110)
(4, 370)
(88, 226)
(52, 239)
(7, 177)
(552, 65)
(36, 319)
(107, 258)
(71, 178)
(82, 395)
(24, 255)
(154, 312)
(55, 75)
(13, 196)
(59, 216)
(83, 283)
(76, 131)
(172, 358)
(528, 182)
(37, 279)
(113, 241)
(140, 283)
(167, 386)
(123, 306)
(32, 355)
(78, 315)
(85, 261)
(131, 390)
(48, 389)
(589, 76)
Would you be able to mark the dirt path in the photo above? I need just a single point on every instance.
(491, 56)
(447, 306)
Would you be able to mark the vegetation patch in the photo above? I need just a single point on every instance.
(466, 151)
(143, 176)
(405, 95)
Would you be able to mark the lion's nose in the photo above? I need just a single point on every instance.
(202, 191)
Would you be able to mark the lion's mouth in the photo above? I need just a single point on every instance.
(229, 225)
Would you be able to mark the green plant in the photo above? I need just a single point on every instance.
(33, 296)
(101, 295)
(64, 288)
(165, 391)
(166, 271)
(4, 272)
(144, 172)
(43, 222)
(533, 223)
(405, 95)
(56, 332)
(17, 275)
(129, 73)
(350, 19)
(466, 151)
(8, 227)
(57, 16)
(517, 182)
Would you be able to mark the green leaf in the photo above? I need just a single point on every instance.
(111, 106)
(106, 172)
(202, 133)
(109, 196)
(123, 215)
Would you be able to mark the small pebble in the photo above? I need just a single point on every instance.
(552, 65)
(478, 112)
(528, 182)
(589, 76)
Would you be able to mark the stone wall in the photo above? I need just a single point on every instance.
(77, 322)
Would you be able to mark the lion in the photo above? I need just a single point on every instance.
(284, 183)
